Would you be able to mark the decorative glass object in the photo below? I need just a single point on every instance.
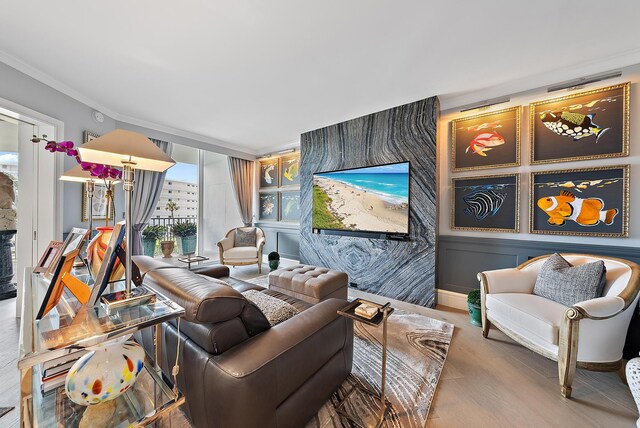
(104, 373)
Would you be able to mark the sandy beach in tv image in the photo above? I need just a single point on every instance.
(364, 199)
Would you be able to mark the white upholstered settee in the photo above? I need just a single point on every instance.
(232, 255)
(589, 334)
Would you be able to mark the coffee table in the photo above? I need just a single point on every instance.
(380, 318)
(192, 259)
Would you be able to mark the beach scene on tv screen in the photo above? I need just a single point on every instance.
(372, 199)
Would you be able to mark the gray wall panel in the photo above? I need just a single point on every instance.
(460, 258)
(401, 270)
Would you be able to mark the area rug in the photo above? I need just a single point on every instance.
(417, 347)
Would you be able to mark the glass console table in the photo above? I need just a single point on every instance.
(71, 326)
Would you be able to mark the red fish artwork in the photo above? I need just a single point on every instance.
(484, 142)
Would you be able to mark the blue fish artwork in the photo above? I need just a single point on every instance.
(483, 203)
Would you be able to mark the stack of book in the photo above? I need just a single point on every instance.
(367, 310)
(54, 372)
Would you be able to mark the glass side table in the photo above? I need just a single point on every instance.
(380, 318)
(192, 258)
(71, 326)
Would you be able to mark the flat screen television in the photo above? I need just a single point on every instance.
(370, 199)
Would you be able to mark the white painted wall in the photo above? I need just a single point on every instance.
(632, 74)
(219, 203)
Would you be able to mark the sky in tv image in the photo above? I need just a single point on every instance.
(365, 199)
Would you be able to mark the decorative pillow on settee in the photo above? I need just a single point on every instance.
(245, 237)
(274, 309)
(561, 282)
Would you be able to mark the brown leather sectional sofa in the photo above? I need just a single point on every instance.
(237, 371)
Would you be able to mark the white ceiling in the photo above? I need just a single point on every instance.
(255, 74)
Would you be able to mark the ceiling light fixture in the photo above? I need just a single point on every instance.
(485, 104)
(579, 83)
(282, 152)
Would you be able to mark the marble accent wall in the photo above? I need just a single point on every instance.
(403, 270)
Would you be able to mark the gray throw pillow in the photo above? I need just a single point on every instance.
(245, 238)
(274, 309)
(561, 282)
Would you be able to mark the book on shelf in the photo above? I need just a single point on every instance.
(73, 356)
(53, 382)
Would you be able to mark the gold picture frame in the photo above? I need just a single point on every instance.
(88, 136)
(511, 159)
(552, 139)
(289, 170)
(101, 210)
(589, 230)
(516, 208)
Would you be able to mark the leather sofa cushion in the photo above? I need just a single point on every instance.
(214, 338)
(212, 271)
(537, 315)
(204, 300)
(238, 253)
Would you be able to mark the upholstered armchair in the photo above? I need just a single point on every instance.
(589, 334)
(241, 254)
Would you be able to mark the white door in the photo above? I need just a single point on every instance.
(37, 189)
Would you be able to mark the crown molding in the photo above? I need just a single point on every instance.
(54, 83)
(186, 134)
(542, 80)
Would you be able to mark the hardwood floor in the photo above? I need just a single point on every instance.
(490, 382)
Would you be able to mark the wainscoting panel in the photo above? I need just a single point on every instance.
(460, 258)
(400, 270)
(283, 238)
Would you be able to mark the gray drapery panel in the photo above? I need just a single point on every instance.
(242, 182)
(146, 193)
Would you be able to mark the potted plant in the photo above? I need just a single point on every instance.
(475, 311)
(150, 236)
(274, 260)
(186, 236)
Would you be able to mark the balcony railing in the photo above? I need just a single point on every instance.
(168, 223)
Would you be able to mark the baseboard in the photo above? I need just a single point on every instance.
(451, 299)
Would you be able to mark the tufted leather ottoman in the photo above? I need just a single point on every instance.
(309, 283)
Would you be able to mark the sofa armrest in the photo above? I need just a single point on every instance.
(601, 307)
(226, 243)
(511, 280)
(260, 243)
(254, 354)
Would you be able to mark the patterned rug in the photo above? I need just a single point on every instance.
(416, 351)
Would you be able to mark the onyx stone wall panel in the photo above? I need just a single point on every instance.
(404, 270)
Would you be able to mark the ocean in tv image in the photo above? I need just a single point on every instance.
(372, 199)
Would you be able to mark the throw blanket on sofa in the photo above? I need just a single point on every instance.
(275, 310)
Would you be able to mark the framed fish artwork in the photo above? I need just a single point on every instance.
(290, 206)
(268, 206)
(488, 140)
(489, 203)
(588, 125)
(290, 170)
(587, 201)
(268, 170)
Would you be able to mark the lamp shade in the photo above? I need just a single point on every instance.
(119, 146)
(79, 175)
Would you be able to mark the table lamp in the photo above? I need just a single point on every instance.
(78, 175)
(131, 151)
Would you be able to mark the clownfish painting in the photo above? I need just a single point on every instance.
(585, 212)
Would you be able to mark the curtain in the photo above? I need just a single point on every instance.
(242, 181)
(146, 193)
